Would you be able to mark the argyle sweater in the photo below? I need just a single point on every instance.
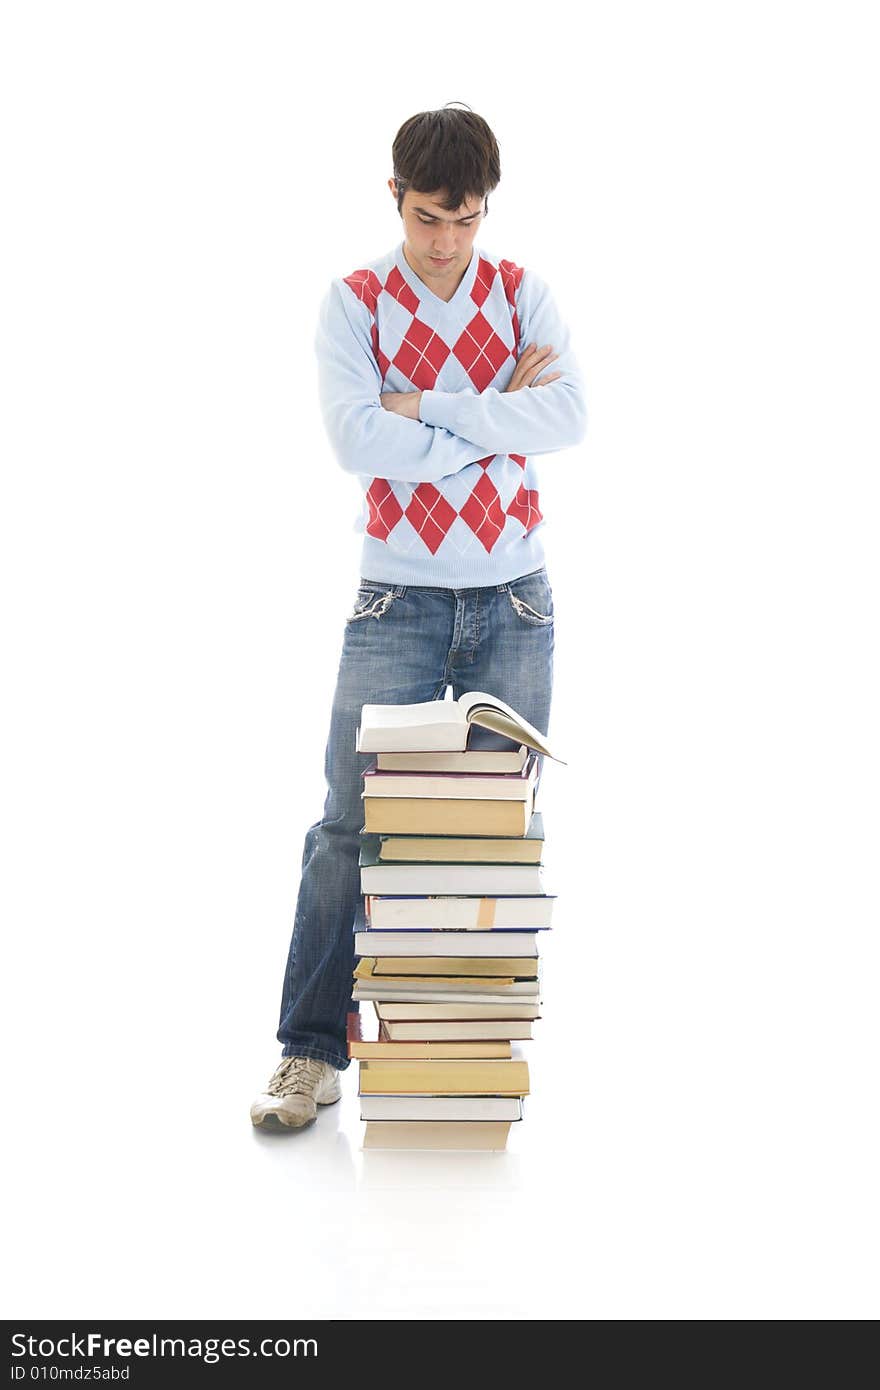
(450, 499)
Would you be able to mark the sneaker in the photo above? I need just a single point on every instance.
(298, 1087)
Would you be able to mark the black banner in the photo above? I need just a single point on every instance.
(145, 1353)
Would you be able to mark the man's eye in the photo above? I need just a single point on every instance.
(429, 222)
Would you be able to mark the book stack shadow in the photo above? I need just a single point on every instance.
(446, 938)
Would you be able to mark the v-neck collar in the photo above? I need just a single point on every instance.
(424, 291)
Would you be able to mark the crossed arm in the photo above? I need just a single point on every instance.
(529, 366)
(422, 436)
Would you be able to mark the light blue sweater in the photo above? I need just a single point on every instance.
(450, 499)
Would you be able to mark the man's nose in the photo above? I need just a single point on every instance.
(444, 243)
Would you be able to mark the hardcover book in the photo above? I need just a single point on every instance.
(400, 1031)
(471, 760)
(446, 943)
(487, 880)
(441, 1108)
(457, 912)
(478, 1077)
(475, 967)
(423, 815)
(462, 786)
(380, 1045)
(443, 725)
(419, 1010)
(465, 849)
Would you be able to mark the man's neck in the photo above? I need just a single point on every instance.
(444, 291)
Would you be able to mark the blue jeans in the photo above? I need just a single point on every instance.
(403, 643)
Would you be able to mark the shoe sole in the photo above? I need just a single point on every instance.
(272, 1121)
(276, 1126)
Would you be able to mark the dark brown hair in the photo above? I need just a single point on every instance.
(447, 149)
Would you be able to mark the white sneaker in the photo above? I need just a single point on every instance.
(298, 1087)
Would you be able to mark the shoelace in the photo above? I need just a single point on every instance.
(295, 1076)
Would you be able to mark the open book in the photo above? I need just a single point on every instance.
(443, 725)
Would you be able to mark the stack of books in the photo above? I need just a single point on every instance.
(446, 940)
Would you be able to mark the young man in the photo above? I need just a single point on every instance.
(429, 360)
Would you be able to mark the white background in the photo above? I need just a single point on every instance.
(697, 184)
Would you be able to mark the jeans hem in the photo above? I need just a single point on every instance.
(321, 1054)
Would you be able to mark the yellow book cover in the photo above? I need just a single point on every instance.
(449, 849)
(413, 815)
(450, 1078)
(365, 970)
(521, 967)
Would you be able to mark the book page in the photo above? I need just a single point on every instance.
(491, 712)
(430, 712)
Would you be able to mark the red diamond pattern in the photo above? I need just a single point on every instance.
(483, 282)
(420, 358)
(385, 510)
(367, 286)
(480, 351)
(396, 286)
(430, 514)
(511, 275)
(379, 355)
(483, 514)
(524, 507)
(421, 355)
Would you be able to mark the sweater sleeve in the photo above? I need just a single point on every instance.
(365, 437)
(534, 420)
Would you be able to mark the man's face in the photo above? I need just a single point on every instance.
(437, 243)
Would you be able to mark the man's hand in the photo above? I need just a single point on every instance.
(405, 403)
(531, 364)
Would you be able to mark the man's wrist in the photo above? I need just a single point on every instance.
(435, 407)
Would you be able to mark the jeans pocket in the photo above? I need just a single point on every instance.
(371, 601)
(531, 599)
